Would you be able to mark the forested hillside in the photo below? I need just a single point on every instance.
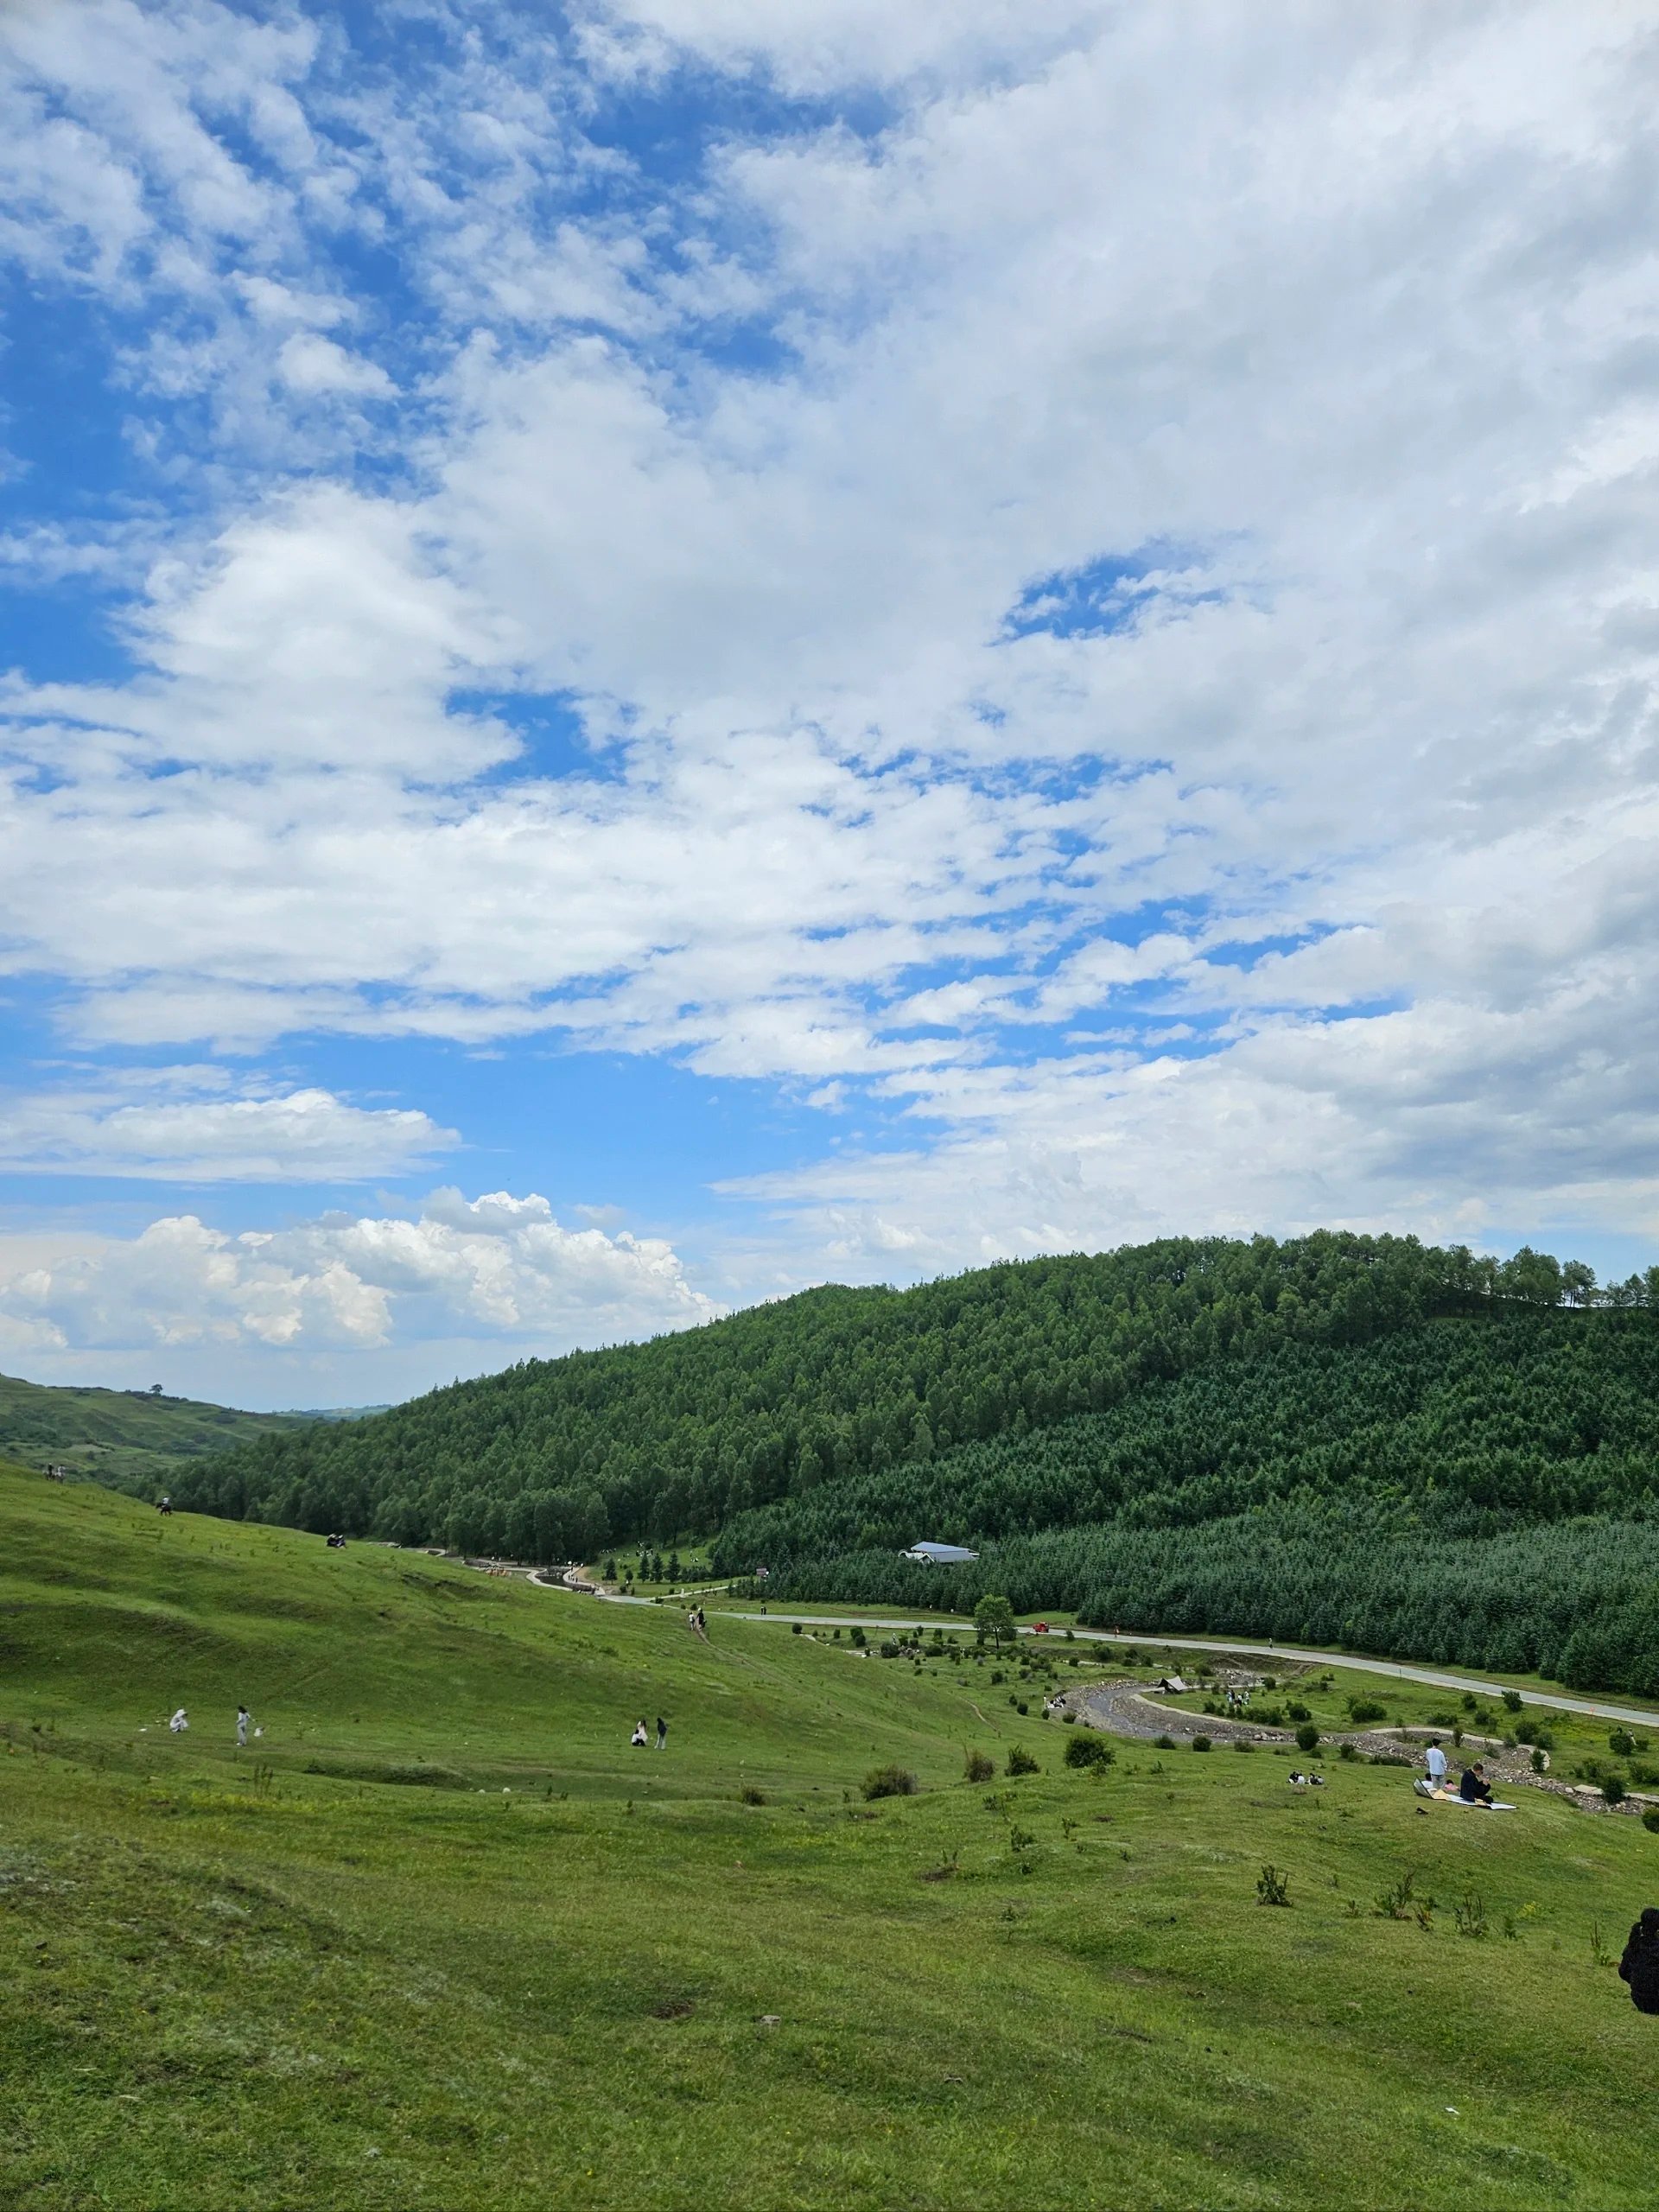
(837, 1388)
(1538, 1416)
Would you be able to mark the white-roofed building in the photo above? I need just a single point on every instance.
(939, 1554)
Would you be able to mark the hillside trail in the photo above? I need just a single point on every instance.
(1432, 1677)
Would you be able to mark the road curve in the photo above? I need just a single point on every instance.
(1597, 1708)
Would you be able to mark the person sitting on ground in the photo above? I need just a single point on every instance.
(639, 1739)
(1435, 1760)
(1640, 1964)
(180, 1722)
(1474, 1789)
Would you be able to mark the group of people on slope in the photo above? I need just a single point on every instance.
(640, 1738)
(181, 1721)
(1473, 1785)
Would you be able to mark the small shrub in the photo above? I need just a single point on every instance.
(1273, 1887)
(997, 1676)
(889, 1650)
(1022, 1762)
(1363, 1709)
(978, 1766)
(1089, 1750)
(1471, 1915)
(1398, 1901)
(1020, 1707)
(1512, 1701)
(1469, 1700)
(1614, 1789)
(748, 1794)
(1297, 1711)
(1201, 1743)
(858, 1637)
(1242, 1744)
(889, 1781)
(1622, 1744)
(1650, 1819)
(1306, 1737)
(1164, 1743)
(795, 1627)
(1540, 1761)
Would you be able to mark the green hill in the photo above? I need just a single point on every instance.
(1484, 1490)
(1361, 1440)
(684, 1435)
(440, 1938)
(132, 1439)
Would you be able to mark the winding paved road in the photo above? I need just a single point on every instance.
(1595, 1707)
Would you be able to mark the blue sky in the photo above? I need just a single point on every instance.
(662, 652)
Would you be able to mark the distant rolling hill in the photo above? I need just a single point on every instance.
(127, 1439)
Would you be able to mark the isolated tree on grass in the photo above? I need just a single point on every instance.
(993, 1616)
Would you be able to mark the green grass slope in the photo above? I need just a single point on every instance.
(441, 1938)
(125, 1438)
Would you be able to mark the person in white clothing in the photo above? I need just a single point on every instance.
(1435, 1760)
(243, 1718)
(180, 1722)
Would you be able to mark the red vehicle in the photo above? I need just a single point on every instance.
(1041, 1629)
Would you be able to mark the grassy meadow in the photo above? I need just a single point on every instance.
(439, 1937)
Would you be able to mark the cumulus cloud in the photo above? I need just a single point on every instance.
(499, 1268)
(191, 1125)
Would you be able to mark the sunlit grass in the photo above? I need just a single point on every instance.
(561, 1971)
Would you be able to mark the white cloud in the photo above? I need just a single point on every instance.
(188, 1125)
(311, 364)
(499, 1269)
(1327, 335)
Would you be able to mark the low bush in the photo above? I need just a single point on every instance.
(1242, 1744)
(1362, 1709)
(890, 1782)
(1273, 1888)
(1306, 1737)
(1022, 1762)
(1622, 1744)
(978, 1766)
(1297, 1711)
(1164, 1743)
(748, 1794)
(1614, 1789)
(1087, 1750)
(1512, 1701)
(1650, 1819)
(1201, 1743)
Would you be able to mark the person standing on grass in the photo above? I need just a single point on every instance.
(1435, 1760)
(243, 1720)
(1640, 1964)
(662, 1732)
